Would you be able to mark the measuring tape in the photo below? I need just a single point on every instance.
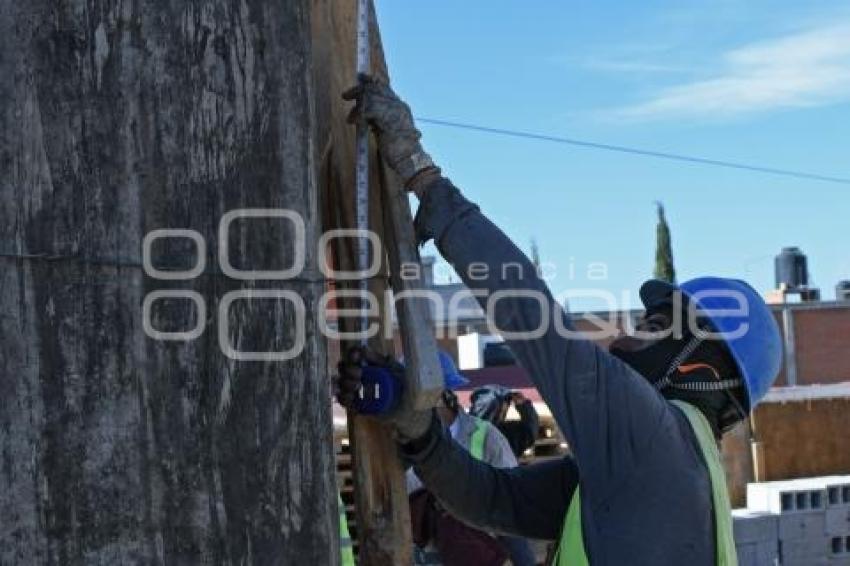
(361, 177)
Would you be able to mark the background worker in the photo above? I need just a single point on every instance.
(485, 443)
(492, 402)
(644, 483)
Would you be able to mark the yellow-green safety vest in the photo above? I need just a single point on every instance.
(476, 443)
(571, 551)
(346, 548)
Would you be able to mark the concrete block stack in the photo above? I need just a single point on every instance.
(756, 537)
(804, 522)
(837, 521)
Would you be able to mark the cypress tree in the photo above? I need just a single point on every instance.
(535, 256)
(664, 269)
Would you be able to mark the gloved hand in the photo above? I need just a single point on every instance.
(398, 138)
(409, 424)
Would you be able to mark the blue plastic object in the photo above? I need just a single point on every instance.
(380, 391)
(753, 338)
(452, 379)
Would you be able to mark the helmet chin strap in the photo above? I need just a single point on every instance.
(681, 357)
(708, 386)
(724, 385)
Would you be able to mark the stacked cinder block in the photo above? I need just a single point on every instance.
(756, 537)
(838, 520)
(809, 518)
(800, 507)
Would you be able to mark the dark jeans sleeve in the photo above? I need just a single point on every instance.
(527, 501)
(609, 414)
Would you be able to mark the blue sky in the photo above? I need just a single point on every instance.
(762, 82)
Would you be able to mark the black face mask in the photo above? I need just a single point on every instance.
(651, 361)
(654, 360)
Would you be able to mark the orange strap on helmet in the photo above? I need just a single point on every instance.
(688, 368)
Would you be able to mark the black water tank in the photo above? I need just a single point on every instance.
(791, 269)
(842, 291)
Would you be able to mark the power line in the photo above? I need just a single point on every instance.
(638, 151)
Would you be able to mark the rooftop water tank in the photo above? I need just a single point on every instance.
(791, 269)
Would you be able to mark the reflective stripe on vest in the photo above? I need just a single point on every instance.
(725, 539)
(476, 443)
(346, 549)
(571, 551)
(571, 548)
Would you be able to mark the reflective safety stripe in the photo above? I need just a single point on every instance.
(476, 444)
(571, 551)
(725, 539)
(346, 550)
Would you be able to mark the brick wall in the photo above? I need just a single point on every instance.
(822, 338)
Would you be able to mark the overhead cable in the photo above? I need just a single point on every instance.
(638, 151)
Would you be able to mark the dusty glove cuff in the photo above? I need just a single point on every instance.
(418, 449)
(411, 425)
(422, 180)
(410, 166)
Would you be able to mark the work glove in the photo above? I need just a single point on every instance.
(409, 424)
(392, 121)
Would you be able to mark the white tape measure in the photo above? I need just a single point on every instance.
(361, 178)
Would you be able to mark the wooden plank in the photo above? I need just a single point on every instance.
(383, 517)
(423, 374)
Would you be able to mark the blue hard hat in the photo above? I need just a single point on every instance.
(452, 379)
(752, 337)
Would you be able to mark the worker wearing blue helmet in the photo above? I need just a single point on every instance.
(643, 483)
(452, 378)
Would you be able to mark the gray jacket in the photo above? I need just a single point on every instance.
(646, 493)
